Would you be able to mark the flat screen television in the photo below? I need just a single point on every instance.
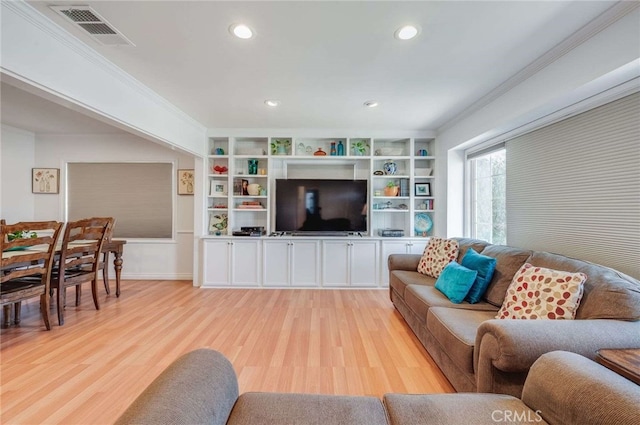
(321, 205)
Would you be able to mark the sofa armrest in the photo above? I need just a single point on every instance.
(566, 388)
(403, 262)
(514, 345)
(199, 387)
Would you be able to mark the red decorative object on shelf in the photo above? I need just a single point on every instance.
(220, 169)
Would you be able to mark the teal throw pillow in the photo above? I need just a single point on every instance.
(455, 281)
(485, 266)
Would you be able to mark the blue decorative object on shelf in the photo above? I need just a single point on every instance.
(253, 166)
(423, 224)
(390, 167)
(340, 148)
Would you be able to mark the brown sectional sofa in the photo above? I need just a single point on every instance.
(563, 388)
(480, 353)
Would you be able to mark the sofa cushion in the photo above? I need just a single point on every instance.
(437, 254)
(508, 262)
(302, 409)
(455, 329)
(421, 298)
(455, 282)
(542, 293)
(608, 294)
(463, 408)
(465, 243)
(399, 279)
(485, 266)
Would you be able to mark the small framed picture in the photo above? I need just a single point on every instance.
(423, 189)
(45, 180)
(245, 187)
(218, 188)
(185, 182)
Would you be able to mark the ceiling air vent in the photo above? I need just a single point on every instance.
(92, 23)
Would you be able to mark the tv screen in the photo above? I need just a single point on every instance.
(320, 205)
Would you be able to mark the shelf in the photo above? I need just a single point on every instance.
(244, 156)
(404, 151)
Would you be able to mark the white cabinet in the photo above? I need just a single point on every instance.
(349, 263)
(232, 262)
(291, 262)
(389, 247)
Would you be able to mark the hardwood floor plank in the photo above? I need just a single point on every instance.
(286, 340)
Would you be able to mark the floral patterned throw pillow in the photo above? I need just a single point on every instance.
(438, 253)
(540, 293)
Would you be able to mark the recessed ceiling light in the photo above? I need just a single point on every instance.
(272, 103)
(370, 103)
(407, 32)
(241, 31)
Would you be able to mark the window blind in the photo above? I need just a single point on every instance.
(573, 187)
(137, 195)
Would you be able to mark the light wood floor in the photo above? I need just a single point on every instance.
(318, 341)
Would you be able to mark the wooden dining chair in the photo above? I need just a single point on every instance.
(79, 259)
(26, 266)
(104, 264)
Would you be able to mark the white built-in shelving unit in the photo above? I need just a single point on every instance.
(357, 260)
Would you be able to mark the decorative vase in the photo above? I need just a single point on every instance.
(253, 166)
(391, 191)
(340, 148)
(333, 149)
(319, 152)
(254, 189)
(390, 167)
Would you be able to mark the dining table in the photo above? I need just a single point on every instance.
(112, 246)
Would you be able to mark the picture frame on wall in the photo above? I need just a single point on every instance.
(423, 189)
(218, 188)
(185, 182)
(45, 180)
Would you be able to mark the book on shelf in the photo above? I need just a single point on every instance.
(250, 205)
(404, 187)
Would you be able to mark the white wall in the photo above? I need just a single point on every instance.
(143, 259)
(602, 53)
(17, 148)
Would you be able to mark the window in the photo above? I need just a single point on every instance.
(487, 188)
(137, 195)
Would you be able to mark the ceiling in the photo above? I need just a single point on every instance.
(323, 60)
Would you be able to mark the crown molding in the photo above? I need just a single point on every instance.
(595, 26)
(615, 85)
(51, 29)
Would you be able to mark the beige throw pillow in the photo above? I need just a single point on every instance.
(438, 253)
(540, 293)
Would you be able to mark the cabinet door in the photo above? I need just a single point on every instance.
(417, 247)
(246, 263)
(276, 263)
(305, 263)
(335, 263)
(364, 270)
(216, 262)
